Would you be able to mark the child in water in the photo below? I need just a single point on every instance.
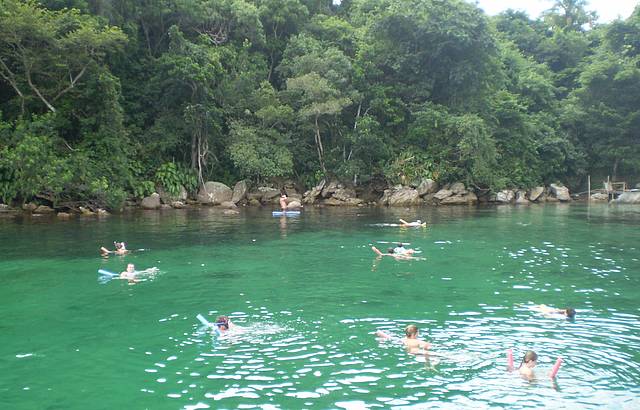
(121, 249)
(529, 361)
(411, 342)
(568, 312)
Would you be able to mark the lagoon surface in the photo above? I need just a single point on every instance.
(311, 294)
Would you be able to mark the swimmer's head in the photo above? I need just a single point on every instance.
(400, 245)
(131, 267)
(222, 322)
(570, 312)
(530, 359)
(419, 221)
(118, 245)
(411, 331)
(389, 250)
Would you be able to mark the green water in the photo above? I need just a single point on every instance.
(311, 294)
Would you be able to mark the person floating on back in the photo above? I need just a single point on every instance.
(121, 249)
(411, 342)
(407, 254)
(568, 312)
(529, 361)
(416, 224)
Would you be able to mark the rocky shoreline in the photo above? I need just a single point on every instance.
(330, 193)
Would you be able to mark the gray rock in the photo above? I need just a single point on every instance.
(427, 186)
(505, 196)
(239, 191)
(43, 209)
(177, 204)
(103, 212)
(228, 205)
(294, 205)
(629, 198)
(165, 206)
(404, 196)
(343, 194)
(458, 188)
(231, 212)
(86, 211)
(333, 202)
(521, 197)
(268, 194)
(167, 198)
(535, 193)
(330, 188)
(254, 202)
(214, 193)
(29, 207)
(468, 198)
(442, 194)
(151, 202)
(64, 215)
(560, 192)
(599, 196)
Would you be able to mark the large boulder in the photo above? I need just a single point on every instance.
(228, 205)
(560, 192)
(269, 194)
(294, 205)
(599, 196)
(458, 188)
(239, 191)
(168, 198)
(521, 197)
(151, 202)
(427, 186)
(468, 198)
(404, 196)
(29, 207)
(442, 194)
(310, 196)
(505, 196)
(343, 194)
(214, 193)
(535, 194)
(43, 209)
(330, 188)
(629, 198)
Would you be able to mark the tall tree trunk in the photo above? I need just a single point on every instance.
(319, 146)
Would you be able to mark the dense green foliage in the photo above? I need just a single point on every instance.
(100, 101)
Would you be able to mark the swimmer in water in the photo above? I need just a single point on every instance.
(411, 342)
(568, 312)
(121, 249)
(529, 361)
(401, 250)
(398, 256)
(131, 273)
(418, 223)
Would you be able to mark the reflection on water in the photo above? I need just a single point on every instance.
(310, 302)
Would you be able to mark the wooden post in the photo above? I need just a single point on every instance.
(589, 188)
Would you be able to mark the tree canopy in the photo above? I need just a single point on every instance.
(103, 101)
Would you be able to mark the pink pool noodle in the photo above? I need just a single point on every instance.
(555, 368)
(509, 359)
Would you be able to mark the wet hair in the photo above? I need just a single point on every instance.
(400, 245)
(118, 245)
(223, 321)
(411, 330)
(390, 250)
(528, 357)
(570, 312)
